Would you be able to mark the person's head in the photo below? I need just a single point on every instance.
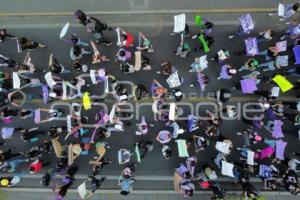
(23, 40)
(124, 37)
(208, 25)
(161, 90)
(272, 33)
(31, 170)
(77, 50)
(122, 53)
(2, 31)
(295, 6)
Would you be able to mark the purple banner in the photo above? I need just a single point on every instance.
(248, 86)
(277, 131)
(45, 93)
(246, 23)
(296, 51)
(280, 147)
(251, 46)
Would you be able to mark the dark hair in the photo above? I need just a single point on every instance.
(272, 33)
(208, 25)
(123, 192)
(77, 50)
(122, 53)
(23, 40)
(31, 169)
(295, 6)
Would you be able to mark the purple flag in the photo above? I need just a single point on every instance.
(277, 132)
(265, 171)
(37, 116)
(251, 46)
(248, 86)
(280, 146)
(201, 82)
(45, 93)
(223, 73)
(296, 51)
(246, 23)
(266, 152)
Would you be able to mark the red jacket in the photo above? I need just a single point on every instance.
(36, 165)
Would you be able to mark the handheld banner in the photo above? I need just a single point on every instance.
(283, 83)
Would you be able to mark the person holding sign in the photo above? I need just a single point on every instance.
(250, 64)
(285, 11)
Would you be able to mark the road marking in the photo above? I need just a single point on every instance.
(137, 12)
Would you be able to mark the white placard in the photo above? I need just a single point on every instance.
(179, 23)
(227, 169)
(93, 76)
(275, 91)
(119, 37)
(49, 79)
(69, 125)
(281, 46)
(172, 111)
(82, 191)
(250, 158)
(173, 80)
(64, 30)
(221, 55)
(223, 147)
(16, 81)
(281, 10)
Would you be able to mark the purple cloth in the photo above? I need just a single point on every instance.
(246, 23)
(277, 131)
(248, 86)
(201, 82)
(7, 120)
(270, 114)
(296, 51)
(280, 146)
(265, 171)
(223, 73)
(251, 46)
(37, 116)
(190, 123)
(7, 132)
(45, 93)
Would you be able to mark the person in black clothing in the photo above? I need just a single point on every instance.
(96, 183)
(7, 62)
(8, 154)
(144, 147)
(223, 95)
(26, 44)
(4, 34)
(81, 17)
(217, 190)
(97, 167)
(99, 27)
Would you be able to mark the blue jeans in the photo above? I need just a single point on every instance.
(293, 72)
(264, 53)
(268, 66)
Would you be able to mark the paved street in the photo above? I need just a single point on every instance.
(46, 30)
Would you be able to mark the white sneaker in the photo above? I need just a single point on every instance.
(230, 36)
(271, 14)
(158, 72)
(194, 37)
(147, 68)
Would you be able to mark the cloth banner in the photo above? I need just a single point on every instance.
(179, 23)
(265, 171)
(138, 61)
(223, 147)
(280, 147)
(277, 131)
(283, 83)
(296, 51)
(227, 169)
(16, 81)
(174, 80)
(246, 23)
(205, 46)
(138, 155)
(250, 158)
(203, 62)
(198, 20)
(248, 86)
(182, 148)
(86, 101)
(37, 116)
(251, 46)
(281, 46)
(7, 132)
(282, 61)
(64, 30)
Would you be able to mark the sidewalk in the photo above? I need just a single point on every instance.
(29, 6)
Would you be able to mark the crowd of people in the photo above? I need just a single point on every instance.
(262, 153)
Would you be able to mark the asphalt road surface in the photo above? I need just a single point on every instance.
(164, 45)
